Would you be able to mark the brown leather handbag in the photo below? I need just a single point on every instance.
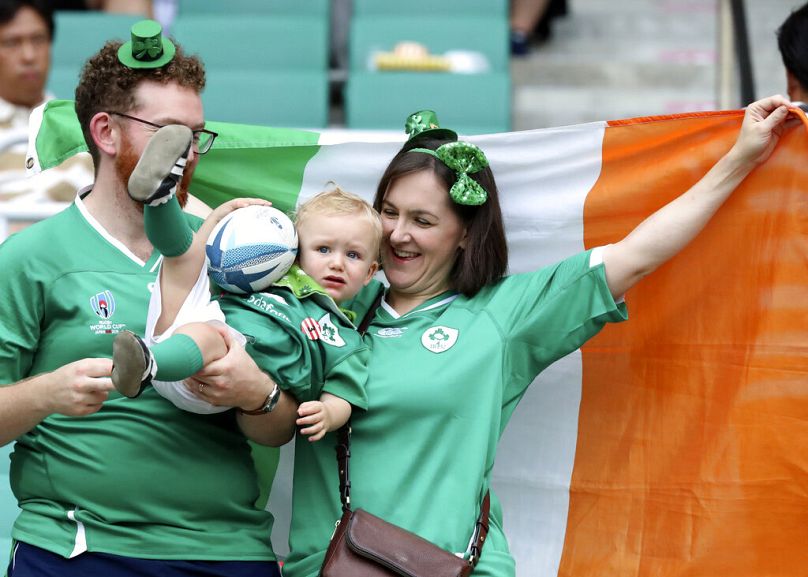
(364, 545)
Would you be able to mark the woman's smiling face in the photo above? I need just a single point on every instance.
(421, 237)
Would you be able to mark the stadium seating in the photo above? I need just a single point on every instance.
(315, 8)
(470, 103)
(266, 60)
(487, 8)
(78, 36)
(261, 69)
(284, 98)
(255, 42)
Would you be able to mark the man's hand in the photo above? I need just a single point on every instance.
(76, 389)
(232, 381)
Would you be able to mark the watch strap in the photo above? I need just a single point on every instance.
(269, 403)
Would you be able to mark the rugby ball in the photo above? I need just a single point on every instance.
(250, 249)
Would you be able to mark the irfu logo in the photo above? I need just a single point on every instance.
(329, 333)
(439, 339)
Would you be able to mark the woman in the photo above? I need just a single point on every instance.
(455, 345)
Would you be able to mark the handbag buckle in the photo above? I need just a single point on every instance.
(336, 526)
(473, 550)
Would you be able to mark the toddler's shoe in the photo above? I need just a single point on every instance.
(159, 170)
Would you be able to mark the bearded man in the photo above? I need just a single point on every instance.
(108, 485)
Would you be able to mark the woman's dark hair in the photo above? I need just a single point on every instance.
(485, 257)
(9, 9)
(792, 40)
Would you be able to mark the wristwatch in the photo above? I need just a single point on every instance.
(269, 404)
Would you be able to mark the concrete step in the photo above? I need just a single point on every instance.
(549, 106)
(576, 73)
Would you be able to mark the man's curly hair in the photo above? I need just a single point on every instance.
(107, 85)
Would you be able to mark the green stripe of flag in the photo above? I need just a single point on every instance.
(245, 160)
(59, 134)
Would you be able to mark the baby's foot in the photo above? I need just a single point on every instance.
(159, 170)
(133, 366)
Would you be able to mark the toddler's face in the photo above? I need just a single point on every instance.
(338, 252)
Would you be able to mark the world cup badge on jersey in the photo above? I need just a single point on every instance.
(103, 304)
(439, 339)
(329, 333)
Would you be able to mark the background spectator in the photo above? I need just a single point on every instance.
(792, 40)
(26, 35)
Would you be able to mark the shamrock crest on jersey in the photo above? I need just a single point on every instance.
(439, 339)
(329, 333)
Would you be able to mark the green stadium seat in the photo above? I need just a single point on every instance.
(432, 8)
(273, 7)
(484, 35)
(287, 98)
(469, 103)
(261, 69)
(62, 81)
(249, 42)
(78, 36)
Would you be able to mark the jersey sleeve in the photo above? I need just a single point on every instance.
(22, 303)
(547, 314)
(348, 379)
(279, 352)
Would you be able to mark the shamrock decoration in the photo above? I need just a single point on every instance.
(426, 122)
(142, 47)
(148, 48)
(415, 125)
(464, 158)
(439, 335)
(328, 332)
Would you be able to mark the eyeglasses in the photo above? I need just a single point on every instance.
(203, 139)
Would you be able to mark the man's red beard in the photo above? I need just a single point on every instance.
(127, 159)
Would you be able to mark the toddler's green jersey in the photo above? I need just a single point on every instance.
(444, 381)
(139, 478)
(302, 339)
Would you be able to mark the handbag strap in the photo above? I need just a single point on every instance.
(343, 463)
(344, 440)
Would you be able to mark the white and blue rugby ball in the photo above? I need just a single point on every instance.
(250, 249)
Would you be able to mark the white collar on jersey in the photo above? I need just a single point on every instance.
(392, 312)
(103, 232)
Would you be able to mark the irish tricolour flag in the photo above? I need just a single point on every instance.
(675, 444)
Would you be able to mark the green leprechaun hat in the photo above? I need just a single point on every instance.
(425, 123)
(148, 48)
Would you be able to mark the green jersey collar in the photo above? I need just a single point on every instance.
(303, 286)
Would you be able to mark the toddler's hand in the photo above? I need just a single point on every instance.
(314, 419)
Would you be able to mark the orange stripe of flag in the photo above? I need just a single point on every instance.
(693, 430)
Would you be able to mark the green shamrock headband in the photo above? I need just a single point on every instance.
(464, 158)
